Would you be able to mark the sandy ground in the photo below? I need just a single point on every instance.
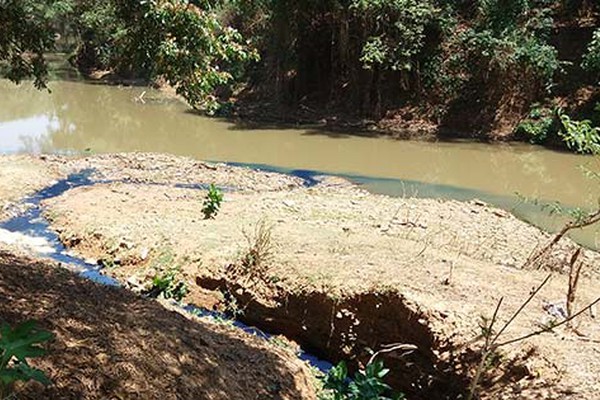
(20, 176)
(448, 263)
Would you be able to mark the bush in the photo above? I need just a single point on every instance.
(591, 60)
(538, 126)
(398, 34)
(367, 384)
(512, 34)
(166, 286)
(580, 136)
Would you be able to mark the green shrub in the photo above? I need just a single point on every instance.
(16, 346)
(513, 35)
(366, 384)
(398, 34)
(580, 136)
(212, 202)
(166, 286)
(538, 126)
(591, 60)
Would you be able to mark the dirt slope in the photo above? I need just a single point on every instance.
(113, 344)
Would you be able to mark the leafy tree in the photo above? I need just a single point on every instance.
(26, 33)
(398, 32)
(591, 60)
(513, 34)
(174, 39)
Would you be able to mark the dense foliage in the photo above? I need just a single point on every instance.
(26, 33)
(186, 45)
(494, 58)
(591, 60)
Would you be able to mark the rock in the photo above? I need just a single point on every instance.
(126, 244)
(500, 213)
(556, 309)
(135, 284)
(289, 203)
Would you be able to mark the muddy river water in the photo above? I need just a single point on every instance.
(80, 117)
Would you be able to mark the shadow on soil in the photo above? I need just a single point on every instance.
(111, 344)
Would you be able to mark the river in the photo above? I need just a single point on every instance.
(83, 117)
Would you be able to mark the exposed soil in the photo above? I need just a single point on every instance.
(20, 176)
(346, 270)
(110, 343)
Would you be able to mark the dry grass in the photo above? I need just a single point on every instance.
(254, 263)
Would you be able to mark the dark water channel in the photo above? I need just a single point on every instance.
(31, 222)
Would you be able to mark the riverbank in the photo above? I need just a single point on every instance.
(338, 269)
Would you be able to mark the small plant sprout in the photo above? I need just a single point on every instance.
(212, 202)
(16, 346)
(166, 286)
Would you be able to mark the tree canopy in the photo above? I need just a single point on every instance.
(364, 55)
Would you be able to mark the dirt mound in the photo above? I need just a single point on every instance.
(112, 344)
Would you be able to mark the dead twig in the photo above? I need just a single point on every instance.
(574, 272)
(538, 255)
(550, 328)
(406, 348)
(492, 341)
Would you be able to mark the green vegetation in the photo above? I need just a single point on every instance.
(538, 126)
(167, 286)
(164, 282)
(490, 59)
(591, 60)
(16, 346)
(580, 136)
(212, 202)
(366, 384)
(188, 46)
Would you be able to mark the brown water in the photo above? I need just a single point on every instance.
(79, 116)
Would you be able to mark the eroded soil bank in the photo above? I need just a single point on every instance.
(340, 270)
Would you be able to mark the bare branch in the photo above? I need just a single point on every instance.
(548, 329)
(521, 308)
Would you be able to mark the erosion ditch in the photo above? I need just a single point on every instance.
(351, 328)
